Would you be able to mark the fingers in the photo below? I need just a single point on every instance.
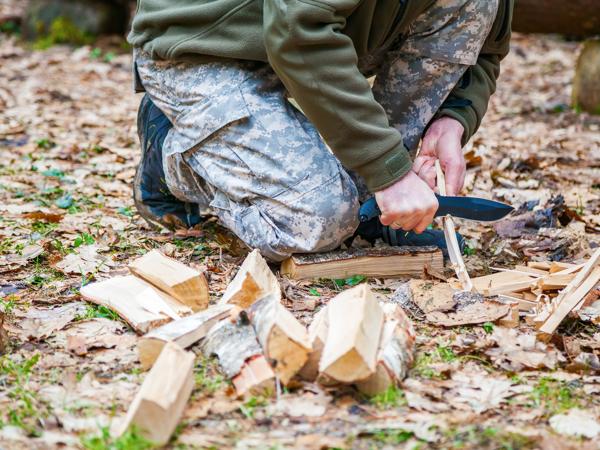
(455, 171)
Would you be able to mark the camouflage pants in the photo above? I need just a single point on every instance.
(241, 151)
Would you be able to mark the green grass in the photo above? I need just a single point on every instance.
(477, 437)
(392, 437)
(208, 379)
(250, 406)
(62, 31)
(130, 440)
(393, 397)
(555, 396)
(98, 311)
(25, 409)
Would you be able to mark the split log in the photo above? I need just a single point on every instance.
(254, 280)
(256, 375)
(556, 266)
(236, 346)
(317, 334)
(158, 406)
(380, 262)
(181, 282)
(140, 304)
(454, 253)
(183, 332)
(284, 340)
(511, 320)
(355, 326)
(579, 18)
(395, 353)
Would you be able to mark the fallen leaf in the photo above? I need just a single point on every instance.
(576, 422)
(85, 260)
(39, 323)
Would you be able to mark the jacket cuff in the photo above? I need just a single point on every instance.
(386, 169)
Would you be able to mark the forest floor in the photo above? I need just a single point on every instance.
(68, 152)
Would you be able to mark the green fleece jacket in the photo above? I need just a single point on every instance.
(314, 46)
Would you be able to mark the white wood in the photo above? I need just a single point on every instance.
(284, 340)
(139, 303)
(183, 283)
(159, 404)
(355, 326)
(254, 280)
(184, 332)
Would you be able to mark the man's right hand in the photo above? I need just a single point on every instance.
(409, 204)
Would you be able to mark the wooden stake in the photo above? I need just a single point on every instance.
(284, 340)
(254, 280)
(183, 283)
(184, 332)
(355, 325)
(395, 353)
(454, 252)
(158, 406)
(503, 282)
(382, 262)
(235, 345)
(140, 304)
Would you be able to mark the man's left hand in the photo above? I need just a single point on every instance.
(442, 141)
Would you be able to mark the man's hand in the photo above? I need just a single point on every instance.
(442, 141)
(408, 204)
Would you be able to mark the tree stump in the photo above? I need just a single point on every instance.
(586, 85)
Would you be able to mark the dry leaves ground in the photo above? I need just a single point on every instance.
(68, 151)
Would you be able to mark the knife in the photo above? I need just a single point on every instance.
(471, 208)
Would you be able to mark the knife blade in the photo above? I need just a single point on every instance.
(471, 208)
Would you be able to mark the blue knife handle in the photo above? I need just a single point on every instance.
(369, 209)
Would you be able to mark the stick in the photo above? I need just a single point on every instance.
(181, 282)
(450, 234)
(159, 404)
(184, 332)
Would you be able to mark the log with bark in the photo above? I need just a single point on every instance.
(586, 85)
(580, 18)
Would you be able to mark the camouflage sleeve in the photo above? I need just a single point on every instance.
(469, 100)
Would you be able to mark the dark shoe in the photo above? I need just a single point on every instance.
(151, 195)
(373, 230)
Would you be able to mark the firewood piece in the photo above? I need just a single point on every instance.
(522, 303)
(379, 262)
(183, 283)
(256, 377)
(355, 325)
(541, 265)
(184, 332)
(159, 404)
(139, 303)
(556, 266)
(555, 281)
(317, 334)
(395, 353)
(236, 345)
(562, 305)
(585, 92)
(284, 340)
(254, 280)
(511, 320)
(454, 252)
(503, 282)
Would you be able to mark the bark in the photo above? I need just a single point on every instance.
(578, 18)
(586, 85)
